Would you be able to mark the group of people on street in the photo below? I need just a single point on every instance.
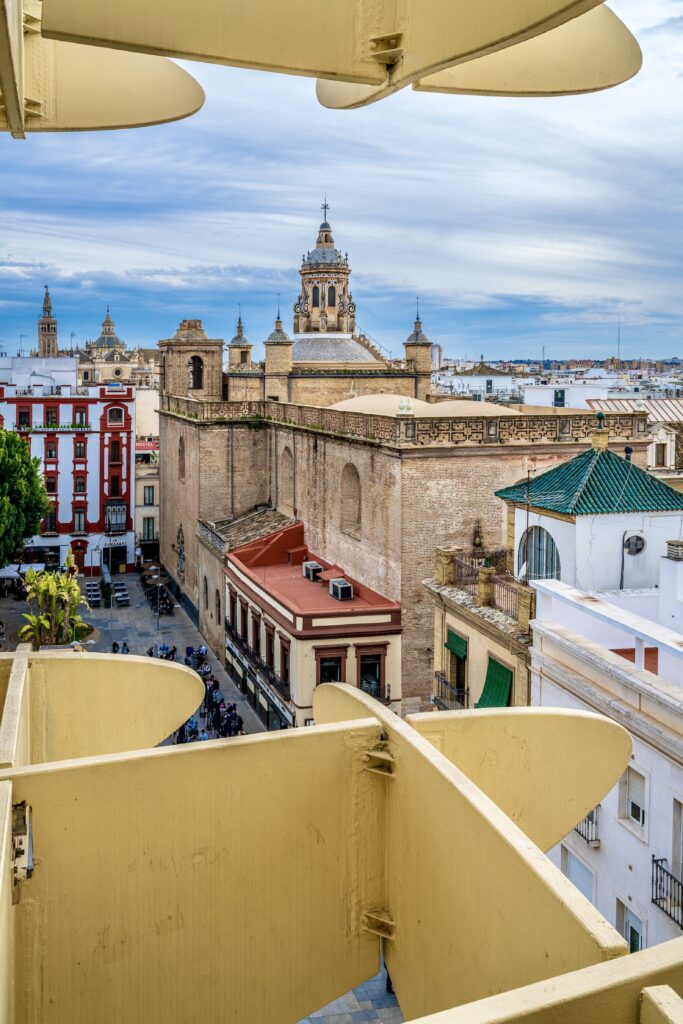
(123, 649)
(164, 651)
(220, 720)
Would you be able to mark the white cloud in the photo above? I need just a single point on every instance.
(534, 206)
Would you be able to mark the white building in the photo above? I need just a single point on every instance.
(480, 382)
(85, 439)
(601, 541)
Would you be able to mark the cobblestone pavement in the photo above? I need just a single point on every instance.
(137, 625)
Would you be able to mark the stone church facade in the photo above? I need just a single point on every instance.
(421, 481)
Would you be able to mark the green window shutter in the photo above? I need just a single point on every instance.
(456, 644)
(496, 693)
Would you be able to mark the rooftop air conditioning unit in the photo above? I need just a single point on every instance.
(341, 589)
(311, 570)
(674, 550)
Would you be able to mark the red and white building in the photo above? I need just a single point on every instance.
(85, 439)
(294, 621)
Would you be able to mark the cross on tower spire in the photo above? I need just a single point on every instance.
(325, 207)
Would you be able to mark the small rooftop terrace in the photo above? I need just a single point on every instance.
(273, 566)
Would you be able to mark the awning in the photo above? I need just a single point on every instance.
(8, 573)
(496, 693)
(456, 644)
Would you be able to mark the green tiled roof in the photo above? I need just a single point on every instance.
(595, 483)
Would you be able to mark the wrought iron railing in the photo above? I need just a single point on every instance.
(257, 662)
(449, 697)
(667, 891)
(588, 829)
(466, 576)
(505, 596)
(375, 689)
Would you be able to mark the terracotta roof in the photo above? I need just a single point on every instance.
(595, 483)
(482, 369)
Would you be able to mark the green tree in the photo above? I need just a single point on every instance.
(57, 597)
(23, 500)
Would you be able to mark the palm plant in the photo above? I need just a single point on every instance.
(57, 597)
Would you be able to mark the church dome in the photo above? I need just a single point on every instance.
(240, 338)
(418, 336)
(108, 338)
(325, 253)
(278, 336)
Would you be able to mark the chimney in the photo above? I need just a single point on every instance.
(600, 438)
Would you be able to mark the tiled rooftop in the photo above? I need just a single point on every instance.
(236, 532)
(596, 482)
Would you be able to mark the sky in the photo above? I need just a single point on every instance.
(524, 225)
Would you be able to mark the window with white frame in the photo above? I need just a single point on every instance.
(578, 873)
(631, 927)
(633, 798)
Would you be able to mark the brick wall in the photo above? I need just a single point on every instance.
(413, 498)
(211, 611)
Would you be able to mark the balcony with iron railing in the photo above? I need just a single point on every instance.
(667, 891)
(448, 696)
(256, 662)
(588, 827)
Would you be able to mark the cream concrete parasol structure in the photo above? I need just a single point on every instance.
(364, 50)
(297, 857)
(48, 86)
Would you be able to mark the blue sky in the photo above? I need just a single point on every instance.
(520, 223)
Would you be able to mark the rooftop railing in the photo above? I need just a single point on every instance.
(470, 429)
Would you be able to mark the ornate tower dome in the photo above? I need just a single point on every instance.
(108, 339)
(325, 303)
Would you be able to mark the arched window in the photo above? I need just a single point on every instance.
(181, 458)
(350, 500)
(331, 296)
(196, 373)
(537, 557)
(115, 416)
(316, 295)
(206, 594)
(217, 600)
(286, 482)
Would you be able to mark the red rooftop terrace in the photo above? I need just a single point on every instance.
(272, 567)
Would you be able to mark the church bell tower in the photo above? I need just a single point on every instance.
(47, 330)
